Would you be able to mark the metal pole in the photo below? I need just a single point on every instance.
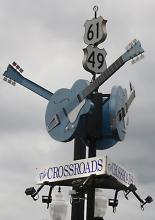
(77, 212)
(91, 188)
(94, 128)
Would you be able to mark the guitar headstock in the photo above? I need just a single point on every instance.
(134, 49)
(13, 74)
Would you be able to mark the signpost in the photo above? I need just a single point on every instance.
(79, 169)
(95, 33)
(94, 59)
(90, 118)
(95, 30)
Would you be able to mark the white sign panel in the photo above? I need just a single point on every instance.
(95, 31)
(72, 170)
(94, 59)
(117, 171)
(84, 168)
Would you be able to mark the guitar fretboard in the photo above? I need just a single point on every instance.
(131, 98)
(103, 77)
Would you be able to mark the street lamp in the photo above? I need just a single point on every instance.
(58, 207)
(100, 204)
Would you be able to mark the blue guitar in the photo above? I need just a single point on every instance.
(66, 106)
(115, 117)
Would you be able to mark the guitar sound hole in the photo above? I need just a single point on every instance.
(120, 116)
(79, 98)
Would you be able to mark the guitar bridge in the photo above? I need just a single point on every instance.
(54, 122)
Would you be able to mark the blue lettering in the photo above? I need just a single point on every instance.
(66, 173)
(130, 179)
(94, 165)
(114, 169)
(71, 170)
(100, 165)
(42, 175)
(82, 168)
(55, 172)
(126, 177)
(123, 175)
(87, 168)
(119, 172)
(76, 169)
(49, 173)
(61, 170)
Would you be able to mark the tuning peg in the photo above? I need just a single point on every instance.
(21, 70)
(142, 56)
(13, 83)
(137, 58)
(14, 64)
(135, 41)
(9, 81)
(127, 47)
(130, 45)
(133, 61)
(5, 78)
(17, 67)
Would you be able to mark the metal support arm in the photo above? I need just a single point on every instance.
(132, 188)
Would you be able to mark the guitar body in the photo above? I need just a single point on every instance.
(113, 130)
(64, 112)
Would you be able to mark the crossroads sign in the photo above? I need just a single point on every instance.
(83, 168)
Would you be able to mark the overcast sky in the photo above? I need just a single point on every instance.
(46, 39)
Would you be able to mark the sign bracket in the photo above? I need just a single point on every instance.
(95, 9)
(132, 188)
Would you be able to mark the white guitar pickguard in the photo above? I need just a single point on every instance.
(74, 113)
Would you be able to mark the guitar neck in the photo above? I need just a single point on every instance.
(12, 74)
(134, 49)
(103, 77)
(36, 88)
(131, 98)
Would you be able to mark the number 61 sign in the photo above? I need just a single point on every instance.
(95, 31)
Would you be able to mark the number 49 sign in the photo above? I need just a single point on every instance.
(94, 59)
